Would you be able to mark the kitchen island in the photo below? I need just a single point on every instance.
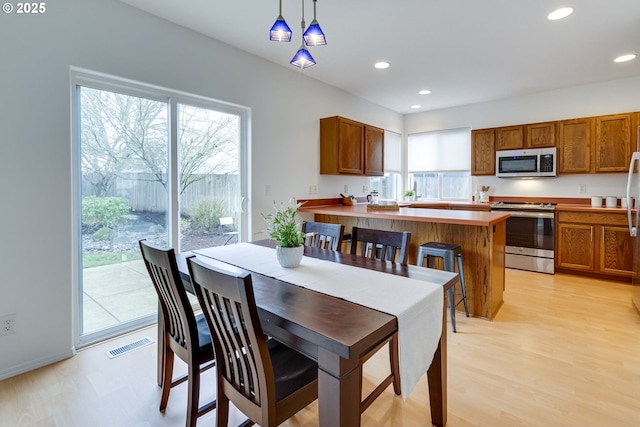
(482, 236)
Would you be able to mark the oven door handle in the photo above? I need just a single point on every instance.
(525, 214)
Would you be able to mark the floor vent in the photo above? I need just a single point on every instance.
(129, 347)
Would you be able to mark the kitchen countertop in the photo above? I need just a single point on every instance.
(443, 216)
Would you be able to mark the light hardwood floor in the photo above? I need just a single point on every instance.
(562, 351)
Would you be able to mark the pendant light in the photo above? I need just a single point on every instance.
(314, 35)
(280, 32)
(302, 58)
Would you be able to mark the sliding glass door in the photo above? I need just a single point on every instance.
(155, 166)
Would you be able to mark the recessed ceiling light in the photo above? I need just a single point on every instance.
(416, 106)
(381, 65)
(625, 58)
(563, 12)
(425, 92)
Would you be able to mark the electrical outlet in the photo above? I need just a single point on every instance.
(313, 189)
(267, 190)
(8, 324)
(582, 188)
(365, 189)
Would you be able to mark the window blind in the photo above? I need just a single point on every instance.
(440, 151)
(392, 152)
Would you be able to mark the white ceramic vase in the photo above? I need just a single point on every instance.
(484, 197)
(289, 257)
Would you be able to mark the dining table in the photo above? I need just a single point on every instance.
(335, 331)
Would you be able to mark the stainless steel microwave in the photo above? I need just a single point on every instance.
(534, 162)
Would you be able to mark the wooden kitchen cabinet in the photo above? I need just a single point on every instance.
(374, 151)
(509, 138)
(592, 242)
(574, 145)
(483, 153)
(350, 147)
(613, 142)
(540, 135)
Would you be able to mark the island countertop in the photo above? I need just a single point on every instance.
(443, 216)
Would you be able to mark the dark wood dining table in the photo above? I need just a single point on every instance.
(337, 333)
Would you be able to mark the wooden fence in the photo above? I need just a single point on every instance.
(145, 193)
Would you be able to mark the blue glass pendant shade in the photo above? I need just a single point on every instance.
(280, 32)
(303, 58)
(314, 35)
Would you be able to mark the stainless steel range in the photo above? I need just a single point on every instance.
(530, 235)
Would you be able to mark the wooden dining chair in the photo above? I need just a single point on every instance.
(323, 235)
(184, 333)
(391, 246)
(266, 380)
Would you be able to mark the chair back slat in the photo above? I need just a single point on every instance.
(383, 244)
(161, 265)
(240, 344)
(323, 235)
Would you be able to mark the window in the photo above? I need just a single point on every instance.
(439, 164)
(150, 164)
(388, 186)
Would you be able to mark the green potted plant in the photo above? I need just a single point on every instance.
(409, 194)
(283, 227)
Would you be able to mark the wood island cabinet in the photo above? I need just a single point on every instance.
(483, 152)
(597, 243)
(350, 147)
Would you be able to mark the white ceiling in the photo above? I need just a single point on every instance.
(465, 51)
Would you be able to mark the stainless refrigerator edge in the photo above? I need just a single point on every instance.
(633, 184)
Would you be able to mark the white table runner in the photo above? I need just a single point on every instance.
(417, 304)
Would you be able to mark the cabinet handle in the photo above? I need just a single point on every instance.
(591, 235)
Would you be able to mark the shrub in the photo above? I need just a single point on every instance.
(99, 212)
(103, 233)
(207, 213)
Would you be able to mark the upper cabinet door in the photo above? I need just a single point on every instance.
(539, 135)
(351, 147)
(483, 156)
(374, 151)
(613, 144)
(574, 145)
(509, 138)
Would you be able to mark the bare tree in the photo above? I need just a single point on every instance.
(122, 133)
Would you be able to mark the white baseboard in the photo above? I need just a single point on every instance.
(35, 364)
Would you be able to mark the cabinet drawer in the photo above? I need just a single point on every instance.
(592, 218)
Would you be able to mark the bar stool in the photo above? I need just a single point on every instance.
(448, 252)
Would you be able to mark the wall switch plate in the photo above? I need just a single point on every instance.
(365, 189)
(582, 188)
(267, 190)
(313, 189)
(346, 189)
(8, 324)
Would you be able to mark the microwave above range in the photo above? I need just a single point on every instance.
(534, 162)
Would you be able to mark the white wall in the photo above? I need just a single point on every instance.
(110, 37)
(612, 97)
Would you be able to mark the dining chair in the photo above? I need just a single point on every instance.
(185, 334)
(381, 244)
(227, 223)
(323, 235)
(266, 380)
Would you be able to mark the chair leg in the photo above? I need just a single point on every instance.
(452, 308)
(222, 413)
(463, 289)
(394, 357)
(193, 394)
(166, 376)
